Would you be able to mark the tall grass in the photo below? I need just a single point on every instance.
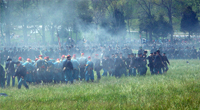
(178, 89)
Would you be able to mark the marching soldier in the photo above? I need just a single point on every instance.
(2, 76)
(141, 64)
(151, 61)
(165, 61)
(10, 70)
(158, 63)
(21, 71)
(49, 70)
(132, 65)
(118, 66)
(75, 64)
(82, 62)
(67, 69)
(89, 75)
(29, 67)
(97, 66)
(41, 70)
(58, 71)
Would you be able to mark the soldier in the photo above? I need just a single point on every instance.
(132, 65)
(29, 68)
(105, 64)
(198, 53)
(128, 61)
(145, 57)
(35, 77)
(117, 64)
(62, 61)
(20, 60)
(97, 66)
(41, 70)
(49, 70)
(194, 53)
(141, 64)
(82, 61)
(158, 63)
(58, 71)
(2, 77)
(10, 70)
(165, 61)
(21, 71)
(140, 50)
(75, 64)
(89, 75)
(123, 65)
(111, 65)
(67, 69)
(151, 65)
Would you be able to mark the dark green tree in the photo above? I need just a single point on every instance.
(119, 25)
(148, 25)
(162, 28)
(189, 21)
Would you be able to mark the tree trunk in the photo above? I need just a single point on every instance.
(7, 16)
(146, 35)
(25, 32)
(25, 23)
(150, 36)
(170, 22)
(52, 33)
(43, 26)
(43, 32)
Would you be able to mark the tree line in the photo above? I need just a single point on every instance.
(156, 18)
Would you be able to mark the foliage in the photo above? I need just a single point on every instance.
(162, 28)
(114, 17)
(189, 21)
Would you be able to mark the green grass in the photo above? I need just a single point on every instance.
(178, 89)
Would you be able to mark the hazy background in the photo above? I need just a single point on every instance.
(37, 22)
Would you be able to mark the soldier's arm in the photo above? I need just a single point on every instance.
(6, 65)
(167, 61)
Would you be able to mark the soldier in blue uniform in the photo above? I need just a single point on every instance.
(20, 60)
(29, 68)
(21, 71)
(75, 64)
(158, 63)
(141, 64)
(10, 70)
(67, 69)
(82, 60)
(151, 65)
(123, 69)
(97, 66)
(89, 75)
(132, 65)
(41, 70)
(58, 71)
(105, 64)
(49, 70)
(62, 60)
(165, 61)
(2, 76)
(117, 65)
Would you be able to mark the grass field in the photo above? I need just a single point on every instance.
(178, 89)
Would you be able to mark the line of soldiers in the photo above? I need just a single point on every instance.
(65, 69)
(180, 52)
